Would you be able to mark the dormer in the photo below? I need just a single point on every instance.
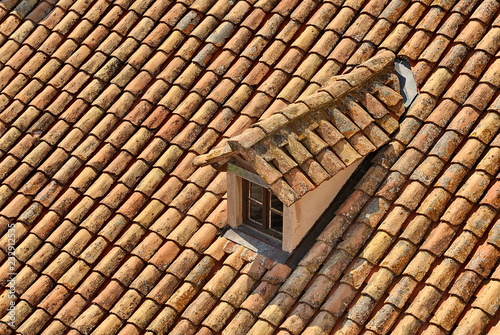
(285, 170)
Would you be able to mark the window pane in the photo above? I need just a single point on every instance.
(276, 203)
(256, 192)
(276, 222)
(255, 212)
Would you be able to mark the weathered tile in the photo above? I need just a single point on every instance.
(124, 49)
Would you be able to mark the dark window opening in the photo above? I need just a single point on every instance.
(262, 210)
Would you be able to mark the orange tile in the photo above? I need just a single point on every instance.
(408, 161)
(339, 223)
(241, 323)
(38, 290)
(274, 313)
(203, 30)
(15, 86)
(40, 259)
(421, 71)
(207, 189)
(253, 20)
(475, 319)
(479, 220)
(424, 303)
(492, 197)
(483, 11)
(338, 302)
(439, 239)
(452, 177)
(446, 145)
(20, 57)
(343, 50)
(448, 312)
(357, 271)
(434, 52)
(15, 206)
(315, 294)
(164, 288)
(471, 33)
(425, 137)
(10, 24)
(185, 230)
(384, 319)
(465, 285)
(217, 319)
(174, 14)
(417, 268)
(487, 297)
(132, 205)
(396, 260)
(462, 247)
(469, 153)
(8, 73)
(164, 320)
(483, 260)
(219, 9)
(199, 308)
(428, 170)
(476, 64)
(487, 42)
(474, 186)
(395, 39)
(434, 204)
(355, 237)
(437, 82)
(29, 91)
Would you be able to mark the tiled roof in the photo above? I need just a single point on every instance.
(300, 146)
(105, 104)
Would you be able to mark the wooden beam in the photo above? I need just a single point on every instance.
(245, 174)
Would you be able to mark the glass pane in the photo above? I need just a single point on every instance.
(276, 203)
(256, 192)
(255, 212)
(276, 222)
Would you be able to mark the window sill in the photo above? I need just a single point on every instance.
(258, 242)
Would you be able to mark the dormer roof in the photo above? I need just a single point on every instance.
(308, 142)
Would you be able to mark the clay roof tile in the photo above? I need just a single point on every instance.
(474, 319)
(136, 55)
(492, 197)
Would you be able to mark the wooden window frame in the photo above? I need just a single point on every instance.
(267, 210)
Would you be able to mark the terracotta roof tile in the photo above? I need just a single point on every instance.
(138, 44)
(473, 193)
(446, 145)
(259, 298)
(492, 198)
(408, 161)
(475, 319)
(434, 204)
(468, 154)
(428, 131)
(483, 259)
(356, 272)
(487, 298)
(428, 170)
(355, 237)
(342, 297)
(448, 312)
(407, 323)
(394, 220)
